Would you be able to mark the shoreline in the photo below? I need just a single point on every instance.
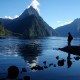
(73, 50)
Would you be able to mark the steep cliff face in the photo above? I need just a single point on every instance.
(36, 29)
(29, 24)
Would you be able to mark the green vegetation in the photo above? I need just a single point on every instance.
(3, 31)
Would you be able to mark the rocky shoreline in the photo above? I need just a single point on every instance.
(73, 50)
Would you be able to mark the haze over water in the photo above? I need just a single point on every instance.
(25, 53)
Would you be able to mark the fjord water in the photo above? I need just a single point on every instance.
(27, 53)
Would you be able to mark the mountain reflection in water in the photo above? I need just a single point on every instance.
(38, 58)
(30, 52)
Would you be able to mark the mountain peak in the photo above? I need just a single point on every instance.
(29, 11)
(31, 7)
(32, 11)
(30, 24)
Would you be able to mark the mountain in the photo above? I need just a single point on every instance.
(73, 27)
(29, 24)
(5, 32)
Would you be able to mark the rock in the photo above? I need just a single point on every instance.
(54, 65)
(61, 62)
(73, 50)
(24, 70)
(26, 78)
(57, 57)
(13, 72)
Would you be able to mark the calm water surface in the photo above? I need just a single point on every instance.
(25, 53)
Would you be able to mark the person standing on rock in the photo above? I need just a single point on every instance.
(70, 38)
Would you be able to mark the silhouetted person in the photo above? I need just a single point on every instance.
(70, 38)
(13, 72)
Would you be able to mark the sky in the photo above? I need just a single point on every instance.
(55, 12)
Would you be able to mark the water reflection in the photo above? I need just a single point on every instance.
(69, 62)
(30, 52)
(61, 62)
(37, 59)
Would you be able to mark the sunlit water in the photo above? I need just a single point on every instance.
(25, 53)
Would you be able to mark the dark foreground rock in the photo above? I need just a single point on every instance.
(73, 50)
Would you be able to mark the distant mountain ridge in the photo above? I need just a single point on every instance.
(73, 27)
(29, 24)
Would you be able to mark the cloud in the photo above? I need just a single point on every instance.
(35, 4)
(61, 23)
(9, 17)
(16, 16)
